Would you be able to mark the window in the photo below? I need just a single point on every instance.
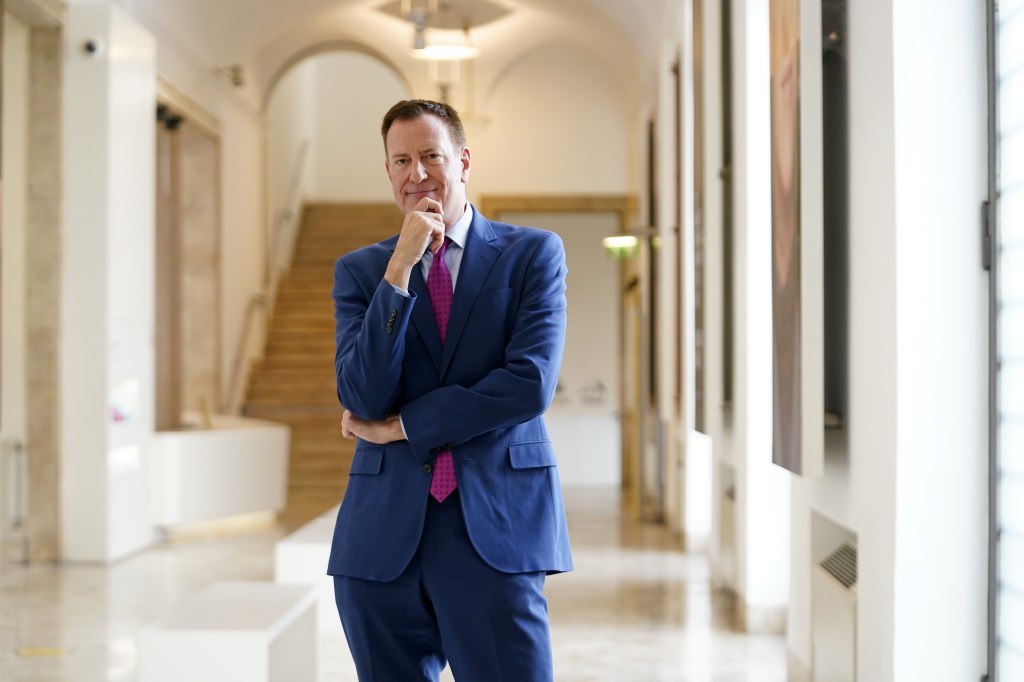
(1008, 371)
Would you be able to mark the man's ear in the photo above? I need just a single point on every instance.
(464, 159)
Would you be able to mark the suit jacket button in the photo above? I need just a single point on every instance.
(427, 468)
(390, 328)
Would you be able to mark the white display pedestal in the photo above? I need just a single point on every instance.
(253, 631)
(239, 466)
(301, 558)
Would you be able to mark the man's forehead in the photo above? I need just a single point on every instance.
(419, 133)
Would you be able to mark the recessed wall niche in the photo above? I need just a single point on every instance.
(835, 190)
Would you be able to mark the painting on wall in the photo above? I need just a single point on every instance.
(2, 8)
(785, 103)
(796, 235)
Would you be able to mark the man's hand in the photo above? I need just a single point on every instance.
(382, 431)
(423, 228)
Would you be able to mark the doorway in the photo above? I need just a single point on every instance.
(188, 290)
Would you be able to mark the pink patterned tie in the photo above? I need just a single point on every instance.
(439, 287)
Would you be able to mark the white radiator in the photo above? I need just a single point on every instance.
(834, 616)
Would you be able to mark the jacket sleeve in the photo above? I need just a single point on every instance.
(519, 390)
(370, 326)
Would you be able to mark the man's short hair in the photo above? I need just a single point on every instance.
(412, 109)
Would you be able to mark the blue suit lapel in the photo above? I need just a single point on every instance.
(423, 316)
(479, 256)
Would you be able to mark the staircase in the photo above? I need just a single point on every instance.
(294, 383)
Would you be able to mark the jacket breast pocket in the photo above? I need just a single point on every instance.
(366, 462)
(532, 455)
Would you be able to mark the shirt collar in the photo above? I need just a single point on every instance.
(460, 230)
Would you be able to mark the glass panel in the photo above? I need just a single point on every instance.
(1011, 508)
(1009, 636)
(1010, 665)
(1011, 625)
(1011, 446)
(1012, 205)
(1011, 325)
(1011, 105)
(1011, 387)
(1011, 147)
(1013, 555)
(1011, 275)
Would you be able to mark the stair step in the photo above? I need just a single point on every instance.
(317, 308)
(294, 415)
(295, 395)
(281, 378)
(297, 362)
(294, 382)
(322, 347)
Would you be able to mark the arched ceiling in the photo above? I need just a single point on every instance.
(266, 35)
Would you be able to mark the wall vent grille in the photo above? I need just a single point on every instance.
(842, 565)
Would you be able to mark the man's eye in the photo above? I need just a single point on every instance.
(400, 162)
(435, 158)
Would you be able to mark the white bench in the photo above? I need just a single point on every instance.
(236, 630)
(301, 558)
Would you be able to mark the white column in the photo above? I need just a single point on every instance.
(762, 489)
(108, 279)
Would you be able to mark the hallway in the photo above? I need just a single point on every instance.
(636, 609)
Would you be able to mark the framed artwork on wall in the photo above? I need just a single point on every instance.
(797, 286)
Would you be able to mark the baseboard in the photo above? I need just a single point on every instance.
(761, 619)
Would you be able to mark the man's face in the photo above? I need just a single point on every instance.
(422, 162)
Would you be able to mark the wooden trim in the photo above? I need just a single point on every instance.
(623, 205)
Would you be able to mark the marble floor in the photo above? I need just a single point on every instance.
(636, 609)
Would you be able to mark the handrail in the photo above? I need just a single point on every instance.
(231, 401)
(284, 222)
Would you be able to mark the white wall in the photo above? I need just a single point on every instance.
(554, 130)
(12, 240)
(291, 123)
(543, 130)
(244, 221)
(750, 538)
(107, 280)
(583, 421)
(942, 353)
(13, 417)
(762, 490)
(858, 488)
(353, 91)
(911, 481)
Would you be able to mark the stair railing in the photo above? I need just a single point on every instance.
(280, 247)
(281, 244)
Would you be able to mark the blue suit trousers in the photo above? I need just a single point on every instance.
(448, 605)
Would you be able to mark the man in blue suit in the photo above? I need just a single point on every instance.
(449, 342)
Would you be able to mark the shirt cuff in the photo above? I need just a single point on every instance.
(402, 423)
(400, 291)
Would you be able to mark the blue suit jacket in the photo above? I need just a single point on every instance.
(481, 394)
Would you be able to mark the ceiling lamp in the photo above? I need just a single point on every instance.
(445, 46)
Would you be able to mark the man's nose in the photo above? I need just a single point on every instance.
(418, 172)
